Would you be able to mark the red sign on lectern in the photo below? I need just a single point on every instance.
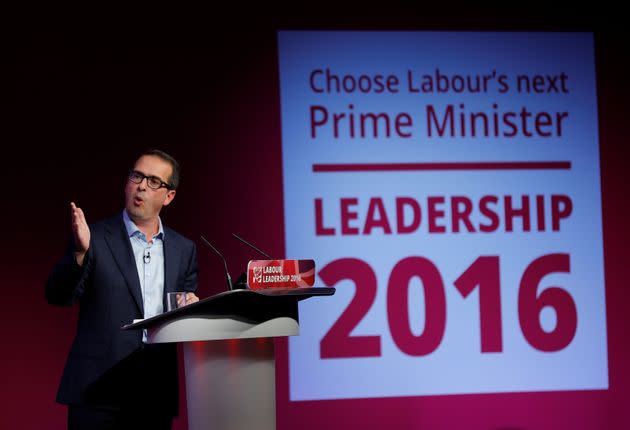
(280, 274)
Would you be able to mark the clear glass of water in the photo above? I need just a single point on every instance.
(175, 300)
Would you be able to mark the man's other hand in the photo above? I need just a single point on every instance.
(81, 233)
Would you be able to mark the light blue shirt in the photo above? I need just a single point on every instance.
(149, 256)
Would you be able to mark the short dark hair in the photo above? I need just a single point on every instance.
(173, 181)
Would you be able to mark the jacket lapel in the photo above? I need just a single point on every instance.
(118, 242)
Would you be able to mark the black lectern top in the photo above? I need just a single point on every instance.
(252, 306)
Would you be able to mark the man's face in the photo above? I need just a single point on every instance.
(143, 203)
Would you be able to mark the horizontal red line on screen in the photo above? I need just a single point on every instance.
(397, 167)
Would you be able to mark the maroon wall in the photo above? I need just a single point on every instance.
(82, 100)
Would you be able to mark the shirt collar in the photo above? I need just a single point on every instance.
(133, 230)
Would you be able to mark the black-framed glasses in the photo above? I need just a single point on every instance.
(153, 182)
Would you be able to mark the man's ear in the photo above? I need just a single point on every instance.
(170, 195)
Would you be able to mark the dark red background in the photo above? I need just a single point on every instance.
(81, 97)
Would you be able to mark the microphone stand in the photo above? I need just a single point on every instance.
(227, 273)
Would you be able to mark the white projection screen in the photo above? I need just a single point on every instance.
(447, 184)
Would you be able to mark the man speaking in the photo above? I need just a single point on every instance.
(118, 270)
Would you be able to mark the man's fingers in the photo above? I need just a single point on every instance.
(78, 217)
(80, 228)
(73, 212)
(191, 298)
(186, 299)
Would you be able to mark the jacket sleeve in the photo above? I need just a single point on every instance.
(190, 278)
(67, 281)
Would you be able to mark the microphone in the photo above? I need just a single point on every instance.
(227, 274)
(241, 282)
(252, 246)
(147, 257)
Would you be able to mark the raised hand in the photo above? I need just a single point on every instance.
(81, 233)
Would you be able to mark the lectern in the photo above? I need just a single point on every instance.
(229, 356)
